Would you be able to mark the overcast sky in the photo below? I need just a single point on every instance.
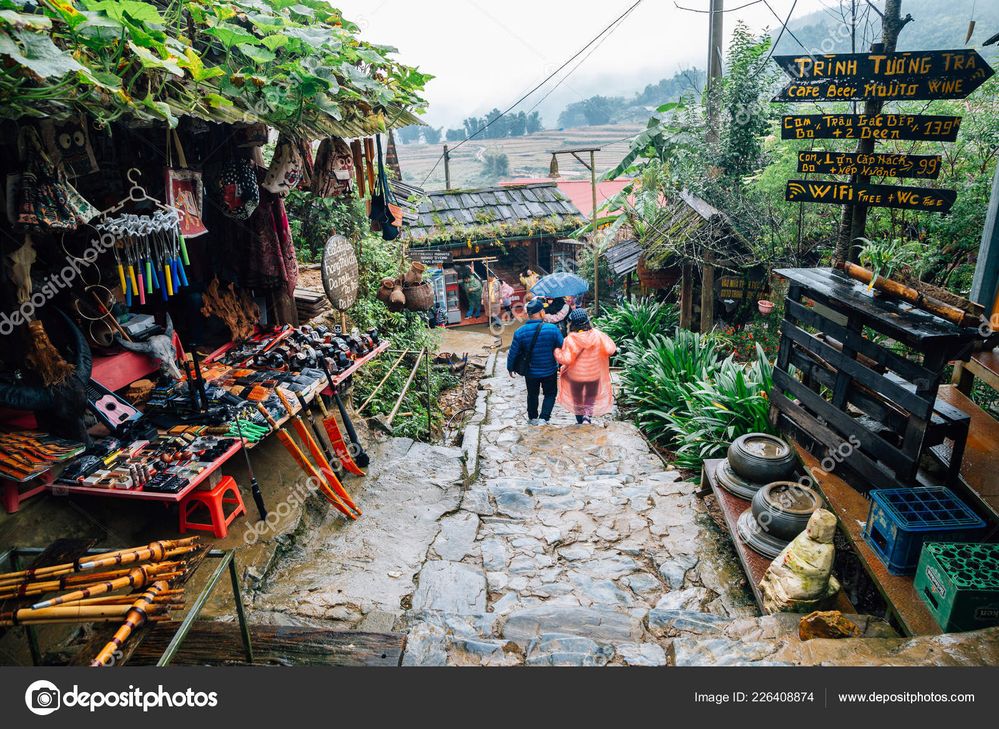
(486, 54)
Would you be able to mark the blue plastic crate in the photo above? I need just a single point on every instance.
(900, 520)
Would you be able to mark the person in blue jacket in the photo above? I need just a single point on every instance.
(542, 373)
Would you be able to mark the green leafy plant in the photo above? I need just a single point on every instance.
(634, 324)
(314, 219)
(886, 256)
(683, 395)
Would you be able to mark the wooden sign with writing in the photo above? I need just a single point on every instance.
(912, 75)
(876, 164)
(916, 127)
(430, 256)
(883, 196)
(340, 273)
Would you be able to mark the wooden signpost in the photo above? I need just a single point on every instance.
(914, 127)
(882, 196)
(913, 75)
(878, 164)
(340, 272)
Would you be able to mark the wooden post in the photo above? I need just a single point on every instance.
(447, 168)
(687, 296)
(715, 39)
(854, 221)
(596, 241)
(707, 295)
(985, 283)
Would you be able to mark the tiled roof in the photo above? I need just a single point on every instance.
(488, 212)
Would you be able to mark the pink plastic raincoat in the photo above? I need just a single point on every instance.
(584, 383)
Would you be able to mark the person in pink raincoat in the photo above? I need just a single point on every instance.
(584, 383)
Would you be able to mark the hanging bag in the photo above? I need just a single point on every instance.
(384, 211)
(184, 189)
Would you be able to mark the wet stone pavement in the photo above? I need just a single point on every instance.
(551, 545)
(575, 545)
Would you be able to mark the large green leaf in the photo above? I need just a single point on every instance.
(37, 52)
(150, 60)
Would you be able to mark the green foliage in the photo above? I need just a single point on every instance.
(633, 325)
(886, 256)
(495, 166)
(683, 395)
(314, 219)
(296, 66)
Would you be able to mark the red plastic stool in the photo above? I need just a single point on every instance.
(226, 492)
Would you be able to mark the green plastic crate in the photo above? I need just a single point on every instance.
(959, 582)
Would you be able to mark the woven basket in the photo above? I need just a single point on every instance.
(419, 297)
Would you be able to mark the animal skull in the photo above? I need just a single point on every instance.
(159, 347)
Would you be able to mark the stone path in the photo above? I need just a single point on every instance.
(553, 545)
(575, 545)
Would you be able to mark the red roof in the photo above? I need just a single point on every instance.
(580, 192)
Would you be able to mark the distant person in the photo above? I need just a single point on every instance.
(584, 384)
(494, 299)
(557, 312)
(537, 342)
(473, 292)
(528, 278)
(506, 301)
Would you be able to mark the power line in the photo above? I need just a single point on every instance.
(513, 106)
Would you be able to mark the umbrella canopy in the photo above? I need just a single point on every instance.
(555, 285)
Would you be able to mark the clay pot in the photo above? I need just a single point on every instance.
(415, 273)
(761, 458)
(397, 297)
(765, 307)
(783, 508)
(385, 291)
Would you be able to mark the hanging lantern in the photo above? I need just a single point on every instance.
(553, 167)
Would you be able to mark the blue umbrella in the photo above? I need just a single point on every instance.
(556, 285)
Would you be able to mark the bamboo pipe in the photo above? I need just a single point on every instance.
(65, 582)
(81, 614)
(138, 577)
(135, 618)
(324, 466)
(303, 463)
(909, 294)
(77, 566)
(383, 381)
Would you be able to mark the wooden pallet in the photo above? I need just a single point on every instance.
(833, 335)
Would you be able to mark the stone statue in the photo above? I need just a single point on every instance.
(800, 579)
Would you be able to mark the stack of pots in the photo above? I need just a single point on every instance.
(758, 468)
(408, 291)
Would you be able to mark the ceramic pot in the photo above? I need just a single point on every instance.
(782, 508)
(415, 273)
(765, 307)
(761, 458)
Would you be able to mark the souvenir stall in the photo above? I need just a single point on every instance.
(148, 322)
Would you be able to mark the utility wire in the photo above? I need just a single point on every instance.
(519, 101)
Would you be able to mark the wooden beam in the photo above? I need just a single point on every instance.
(686, 296)
(707, 295)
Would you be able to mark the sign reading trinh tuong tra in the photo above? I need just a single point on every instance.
(883, 196)
(875, 164)
(913, 127)
(910, 75)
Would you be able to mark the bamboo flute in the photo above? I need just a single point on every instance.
(81, 614)
(83, 564)
(65, 582)
(138, 577)
(137, 615)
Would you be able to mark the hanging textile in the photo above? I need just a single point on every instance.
(236, 189)
(383, 209)
(333, 172)
(47, 201)
(269, 259)
(184, 189)
(287, 167)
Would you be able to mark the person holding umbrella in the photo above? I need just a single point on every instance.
(584, 383)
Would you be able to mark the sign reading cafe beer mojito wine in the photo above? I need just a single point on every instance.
(886, 76)
(876, 77)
